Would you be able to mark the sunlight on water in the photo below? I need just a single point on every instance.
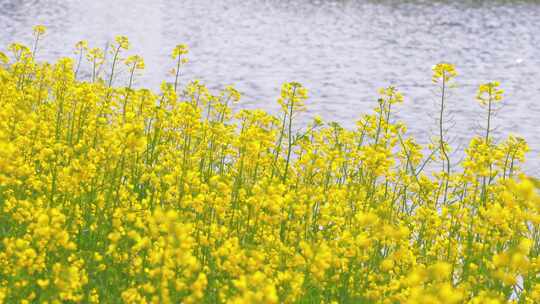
(342, 51)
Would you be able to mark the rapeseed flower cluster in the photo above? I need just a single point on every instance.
(113, 194)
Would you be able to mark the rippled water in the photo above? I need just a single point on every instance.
(342, 51)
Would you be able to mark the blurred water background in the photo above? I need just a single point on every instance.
(342, 51)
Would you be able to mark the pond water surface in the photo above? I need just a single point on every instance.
(342, 51)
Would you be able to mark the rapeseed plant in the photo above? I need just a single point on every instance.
(123, 195)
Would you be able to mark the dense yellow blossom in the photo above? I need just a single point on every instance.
(489, 92)
(443, 72)
(117, 194)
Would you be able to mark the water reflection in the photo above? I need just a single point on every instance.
(341, 50)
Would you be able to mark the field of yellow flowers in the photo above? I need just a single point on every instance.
(113, 194)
